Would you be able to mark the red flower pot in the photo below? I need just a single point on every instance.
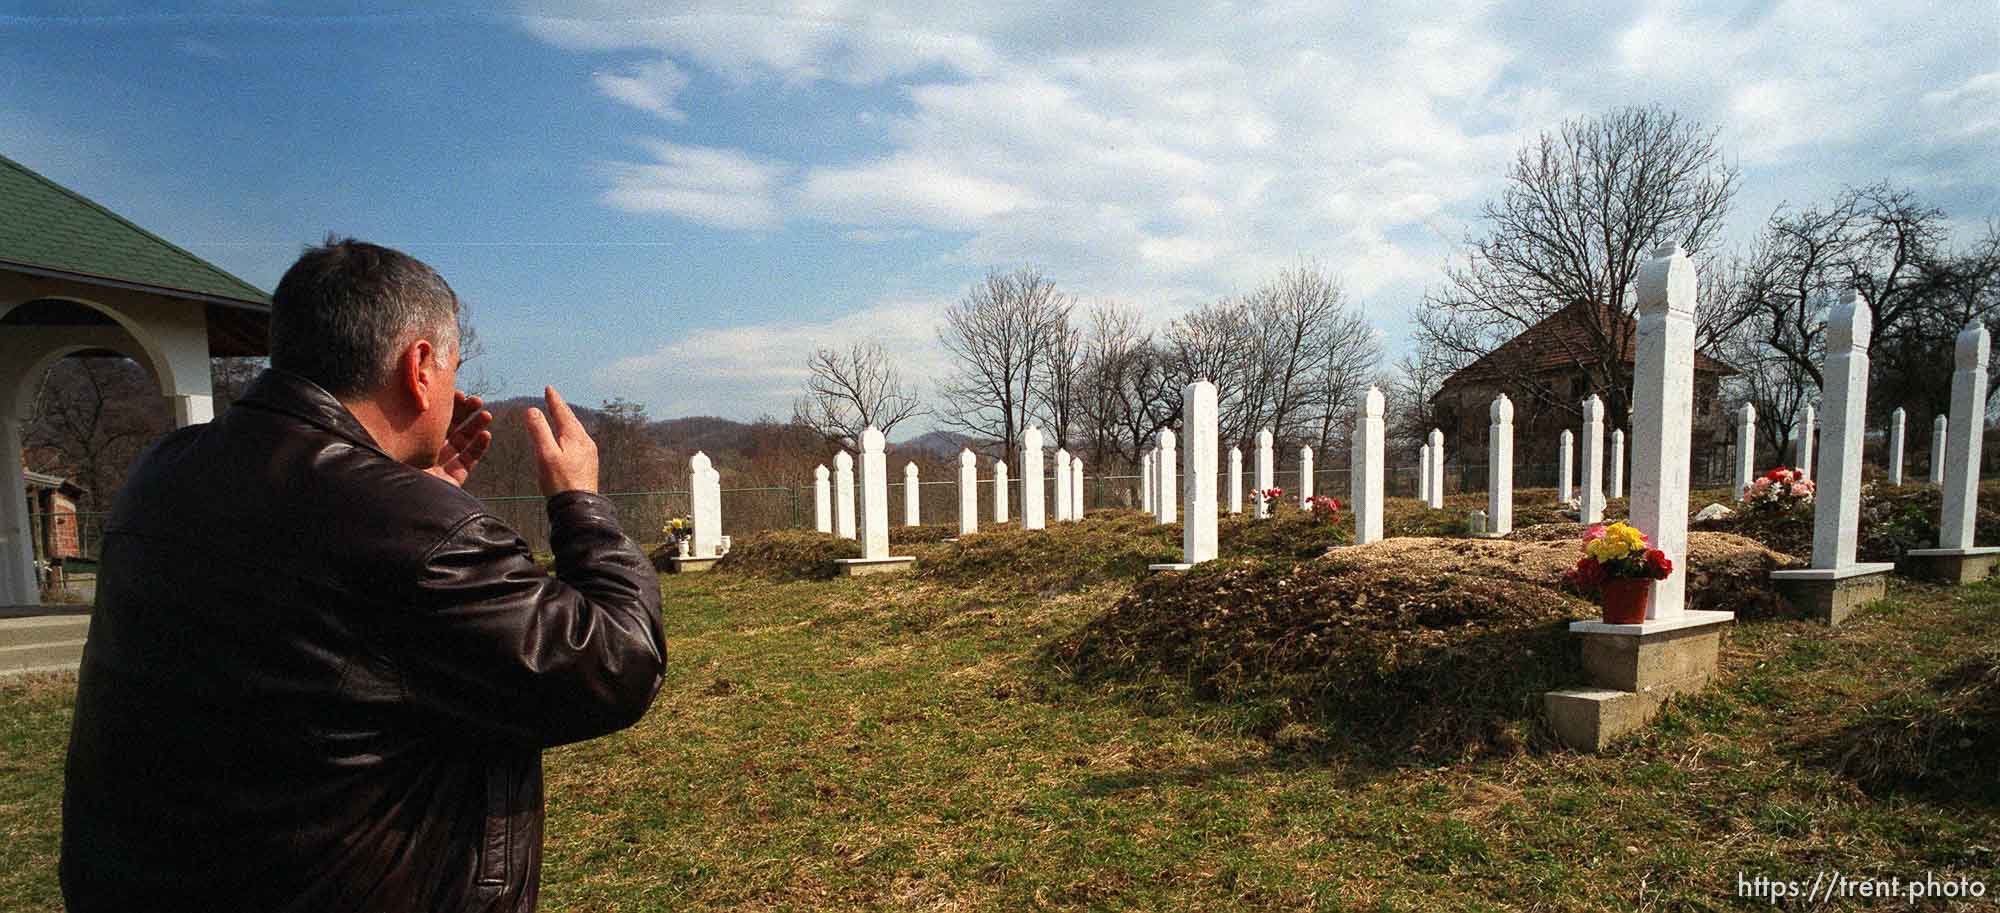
(1625, 600)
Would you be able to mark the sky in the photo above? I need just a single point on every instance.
(675, 203)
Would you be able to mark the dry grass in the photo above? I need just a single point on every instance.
(905, 743)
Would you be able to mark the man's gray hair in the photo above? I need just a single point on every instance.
(345, 310)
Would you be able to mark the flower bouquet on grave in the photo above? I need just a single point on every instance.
(1620, 566)
(1270, 497)
(680, 533)
(1324, 510)
(1781, 489)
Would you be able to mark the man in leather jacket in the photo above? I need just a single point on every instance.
(319, 674)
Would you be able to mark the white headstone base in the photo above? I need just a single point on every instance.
(862, 567)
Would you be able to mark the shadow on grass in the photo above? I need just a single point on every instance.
(1937, 742)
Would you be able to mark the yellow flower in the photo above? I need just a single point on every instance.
(1619, 541)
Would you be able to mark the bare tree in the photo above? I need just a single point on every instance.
(1582, 210)
(1058, 387)
(1000, 334)
(92, 416)
(847, 391)
(1116, 353)
(1408, 391)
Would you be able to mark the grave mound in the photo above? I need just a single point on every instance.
(1437, 647)
(787, 554)
(1940, 738)
(1893, 521)
(1065, 557)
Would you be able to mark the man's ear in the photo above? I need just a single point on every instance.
(417, 372)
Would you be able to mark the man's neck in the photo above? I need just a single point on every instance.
(379, 427)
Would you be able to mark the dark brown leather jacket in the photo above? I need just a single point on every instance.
(320, 680)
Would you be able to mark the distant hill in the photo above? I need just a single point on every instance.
(944, 444)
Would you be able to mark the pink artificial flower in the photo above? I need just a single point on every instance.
(1594, 533)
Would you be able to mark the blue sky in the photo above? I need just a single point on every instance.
(674, 203)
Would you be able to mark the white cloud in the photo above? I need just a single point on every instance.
(757, 369)
(1169, 157)
(719, 187)
(650, 87)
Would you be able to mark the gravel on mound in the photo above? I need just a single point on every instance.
(787, 554)
(1065, 557)
(1397, 657)
(1726, 572)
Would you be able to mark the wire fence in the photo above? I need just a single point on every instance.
(78, 537)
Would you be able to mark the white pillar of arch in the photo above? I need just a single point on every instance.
(1169, 489)
(1437, 469)
(1235, 480)
(1617, 463)
(1061, 469)
(1500, 467)
(705, 497)
(1896, 420)
(1662, 422)
(18, 584)
(843, 495)
(1198, 534)
(1424, 474)
(822, 500)
(1591, 506)
(1305, 476)
(874, 495)
(1076, 488)
(999, 491)
(1366, 470)
(968, 492)
(912, 486)
(1267, 471)
(198, 408)
(1746, 449)
(1939, 438)
(1808, 428)
(1032, 516)
(1968, 420)
(1565, 468)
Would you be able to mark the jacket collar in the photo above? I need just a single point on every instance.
(293, 395)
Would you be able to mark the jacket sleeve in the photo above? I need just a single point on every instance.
(502, 648)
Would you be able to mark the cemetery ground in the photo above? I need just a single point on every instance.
(1029, 721)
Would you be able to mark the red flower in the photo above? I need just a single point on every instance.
(1657, 564)
(1587, 575)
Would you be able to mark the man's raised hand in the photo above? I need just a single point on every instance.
(467, 441)
(564, 454)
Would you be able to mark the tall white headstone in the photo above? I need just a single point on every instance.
(1424, 474)
(1063, 502)
(1305, 476)
(874, 494)
(1837, 501)
(1202, 419)
(705, 491)
(1617, 462)
(843, 495)
(968, 492)
(1896, 419)
(1808, 429)
(1235, 480)
(999, 491)
(1366, 468)
(1591, 500)
(1500, 467)
(1267, 471)
(912, 487)
(1968, 421)
(1169, 488)
(1662, 423)
(1565, 468)
(1436, 488)
(822, 499)
(1076, 488)
(1939, 438)
(1032, 516)
(1147, 478)
(1746, 449)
